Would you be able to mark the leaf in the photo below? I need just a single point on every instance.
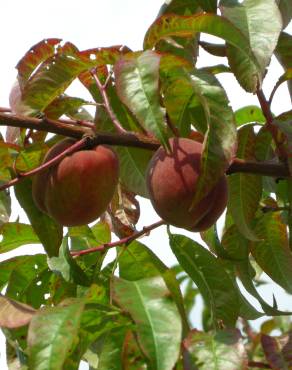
(221, 351)
(249, 113)
(70, 106)
(182, 7)
(210, 277)
(187, 26)
(278, 350)
(29, 281)
(285, 77)
(15, 234)
(220, 139)
(56, 73)
(253, 18)
(48, 349)
(137, 84)
(272, 253)
(285, 7)
(157, 320)
(137, 254)
(49, 232)
(283, 53)
(14, 314)
(245, 190)
(208, 5)
(34, 56)
(133, 165)
(218, 50)
(5, 207)
(67, 266)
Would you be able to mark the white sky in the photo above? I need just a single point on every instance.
(90, 24)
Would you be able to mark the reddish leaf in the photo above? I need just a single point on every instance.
(278, 351)
(14, 314)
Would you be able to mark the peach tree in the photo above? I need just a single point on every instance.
(162, 129)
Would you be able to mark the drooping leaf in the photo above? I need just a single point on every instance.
(49, 232)
(245, 190)
(14, 314)
(218, 50)
(15, 234)
(48, 349)
(221, 351)
(253, 18)
(248, 114)
(70, 106)
(209, 275)
(157, 320)
(137, 82)
(182, 7)
(186, 26)
(220, 139)
(272, 253)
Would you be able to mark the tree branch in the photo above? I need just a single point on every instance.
(259, 365)
(130, 139)
(270, 125)
(102, 90)
(126, 241)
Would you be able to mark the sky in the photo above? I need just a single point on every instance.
(89, 24)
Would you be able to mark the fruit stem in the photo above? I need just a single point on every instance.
(124, 241)
(20, 176)
(107, 106)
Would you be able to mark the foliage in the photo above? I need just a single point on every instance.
(67, 305)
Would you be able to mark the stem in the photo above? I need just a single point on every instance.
(266, 168)
(20, 176)
(269, 124)
(126, 241)
(107, 106)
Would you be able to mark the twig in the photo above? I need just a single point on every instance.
(269, 124)
(107, 106)
(124, 241)
(20, 176)
(5, 110)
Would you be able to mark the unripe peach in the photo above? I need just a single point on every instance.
(79, 188)
(172, 179)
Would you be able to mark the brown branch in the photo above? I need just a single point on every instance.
(130, 139)
(20, 176)
(124, 241)
(107, 106)
(270, 125)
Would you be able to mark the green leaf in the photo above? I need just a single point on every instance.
(15, 234)
(133, 165)
(137, 254)
(67, 266)
(250, 113)
(70, 106)
(182, 7)
(5, 207)
(210, 277)
(272, 253)
(29, 281)
(137, 84)
(14, 314)
(220, 138)
(285, 77)
(157, 320)
(7, 266)
(186, 26)
(245, 190)
(52, 335)
(285, 7)
(208, 5)
(284, 54)
(221, 351)
(49, 232)
(253, 18)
